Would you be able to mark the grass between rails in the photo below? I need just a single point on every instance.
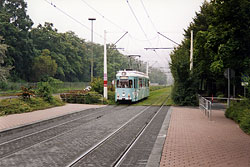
(157, 97)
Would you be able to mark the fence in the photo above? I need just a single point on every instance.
(206, 106)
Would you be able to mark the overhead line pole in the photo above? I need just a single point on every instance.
(105, 74)
(92, 57)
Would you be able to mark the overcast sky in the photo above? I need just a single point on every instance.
(168, 17)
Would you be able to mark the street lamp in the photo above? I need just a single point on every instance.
(92, 58)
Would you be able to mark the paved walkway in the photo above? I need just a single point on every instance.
(15, 120)
(192, 140)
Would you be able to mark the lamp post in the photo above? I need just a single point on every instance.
(92, 58)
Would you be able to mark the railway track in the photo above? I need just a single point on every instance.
(100, 138)
(106, 145)
(19, 143)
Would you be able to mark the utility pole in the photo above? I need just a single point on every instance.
(191, 51)
(92, 56)
(105, 75)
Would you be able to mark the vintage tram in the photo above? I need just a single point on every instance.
(131, 86)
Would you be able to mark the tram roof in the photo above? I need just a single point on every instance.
(131, 73)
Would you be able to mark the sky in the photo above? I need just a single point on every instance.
(142, 19)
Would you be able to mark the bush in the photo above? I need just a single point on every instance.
(97, 85)
(3, 85)
(184, 95)
(44, 90)
(87, 98)
(93, 98)
(240, 113)
(111, 97)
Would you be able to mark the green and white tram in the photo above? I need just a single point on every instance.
(131, 86)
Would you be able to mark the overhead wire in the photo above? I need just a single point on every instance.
(137, 20)
(99, 13)
(151, 21)
(74, 19)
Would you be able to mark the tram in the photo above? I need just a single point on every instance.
(131, 86)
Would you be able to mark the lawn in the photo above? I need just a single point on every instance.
(157, 97)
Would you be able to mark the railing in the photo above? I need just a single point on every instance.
(206, 106)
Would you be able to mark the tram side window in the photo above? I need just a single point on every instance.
(130, 83)
(135, 86)
(140, 82)
(124, 83)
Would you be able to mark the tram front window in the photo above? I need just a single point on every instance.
(124, 83)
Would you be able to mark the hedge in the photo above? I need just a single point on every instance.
(240, 113)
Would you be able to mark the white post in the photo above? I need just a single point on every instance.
(105, 75)
(191, 51)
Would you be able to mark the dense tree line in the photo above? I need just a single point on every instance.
(221, 40)
(35, 53)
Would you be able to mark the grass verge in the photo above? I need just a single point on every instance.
(18, 105)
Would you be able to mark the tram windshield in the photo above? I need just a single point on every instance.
(124, 83)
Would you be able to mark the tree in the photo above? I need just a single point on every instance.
(4, 71)
(14, 27)
(44, 66)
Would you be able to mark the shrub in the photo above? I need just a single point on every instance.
(240, 113)
(3, 85)
(245, 121)
(44, 90)
(87, 98)
(97, 85)
(111, 97)
(92, 98)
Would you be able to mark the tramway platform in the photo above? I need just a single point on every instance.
(193, 140)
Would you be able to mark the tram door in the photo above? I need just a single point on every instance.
(136, 89)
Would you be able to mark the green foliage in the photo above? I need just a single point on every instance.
(14, 106)
(4, 70)
(3, 85)
(240, 113)
(221, 40)
(111, 97)
(82, 98)
(44, 66)
(93, 98)
(97, 85)
(44, 90)
(14, 27)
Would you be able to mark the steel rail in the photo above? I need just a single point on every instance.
(121, 158)
(47, 128)
(36, 143)
(105, 139)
